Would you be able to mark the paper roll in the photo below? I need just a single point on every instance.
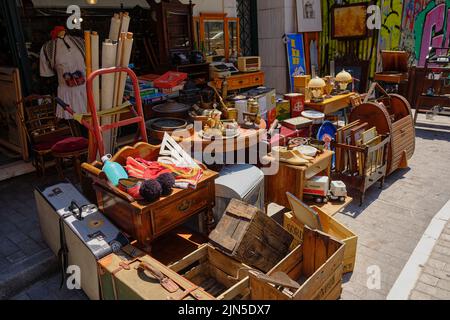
(107, 93)
(118, 64)
(114, 29)
(125, 61)
(95, 66)
(108, 61)
(125, 22)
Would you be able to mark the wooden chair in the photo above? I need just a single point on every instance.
(45, 133)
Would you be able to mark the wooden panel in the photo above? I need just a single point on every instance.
(328, 289)
(309, 247)
(317, 167)
(318, 281)
(178, 210)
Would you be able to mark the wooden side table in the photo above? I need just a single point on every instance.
(332, 105)
(292, 178)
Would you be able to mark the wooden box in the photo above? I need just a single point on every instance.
(316, 264)
(301, 81)
(250, 236)
(217, 274)
(331, 227)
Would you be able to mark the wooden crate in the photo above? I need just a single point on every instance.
(316, 264)
(218, 274)
(331, 227)
(250, 236)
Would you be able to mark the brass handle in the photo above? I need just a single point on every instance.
(185, 205)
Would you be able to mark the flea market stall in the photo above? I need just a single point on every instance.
(179, 147)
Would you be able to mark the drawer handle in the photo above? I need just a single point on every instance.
(241, 81)
(185, 205)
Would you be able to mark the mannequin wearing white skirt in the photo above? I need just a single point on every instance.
(64, 57)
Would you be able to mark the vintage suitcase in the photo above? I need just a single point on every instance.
(132, 275)
(316, 265)
(250, 236)
(87, 234)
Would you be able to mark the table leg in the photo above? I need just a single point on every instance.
(209, 221)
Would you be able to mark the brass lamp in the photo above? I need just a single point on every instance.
(343, 79)
(316, 87)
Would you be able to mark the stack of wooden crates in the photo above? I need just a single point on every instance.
(247, 253)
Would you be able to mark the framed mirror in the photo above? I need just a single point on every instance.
(217, 36)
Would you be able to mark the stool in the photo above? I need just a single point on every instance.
(73, 148)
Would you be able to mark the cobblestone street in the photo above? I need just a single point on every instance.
(389, 226)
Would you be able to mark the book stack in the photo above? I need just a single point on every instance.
(148, 93)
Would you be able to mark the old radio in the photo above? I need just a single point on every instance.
(249, 64)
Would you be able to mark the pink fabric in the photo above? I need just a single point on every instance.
(71, 144)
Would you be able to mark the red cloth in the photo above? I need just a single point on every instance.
(56, 30)
(47, 144)
(143, 169)
(71, 144)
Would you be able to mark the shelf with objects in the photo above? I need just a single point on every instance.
(434, 94)
(395, 71)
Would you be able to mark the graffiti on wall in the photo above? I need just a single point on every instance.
(389, 38)
(425, 24)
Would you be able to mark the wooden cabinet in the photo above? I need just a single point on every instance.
(171, 22)
(243, 80)
(290, 178)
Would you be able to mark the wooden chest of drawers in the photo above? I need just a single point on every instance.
(243, 80)
(146, 222)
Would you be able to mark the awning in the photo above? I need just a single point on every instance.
(83, 4)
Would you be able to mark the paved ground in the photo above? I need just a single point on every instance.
(434, 282)
(392, 221)
(389, 226)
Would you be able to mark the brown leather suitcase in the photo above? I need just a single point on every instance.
(132, 275)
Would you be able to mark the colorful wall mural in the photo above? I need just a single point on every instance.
(410, 25)
(390, 33)
(425, 24)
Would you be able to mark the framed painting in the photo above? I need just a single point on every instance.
(309, 16)
(349, 21)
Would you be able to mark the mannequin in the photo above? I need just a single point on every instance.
(63, 56)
